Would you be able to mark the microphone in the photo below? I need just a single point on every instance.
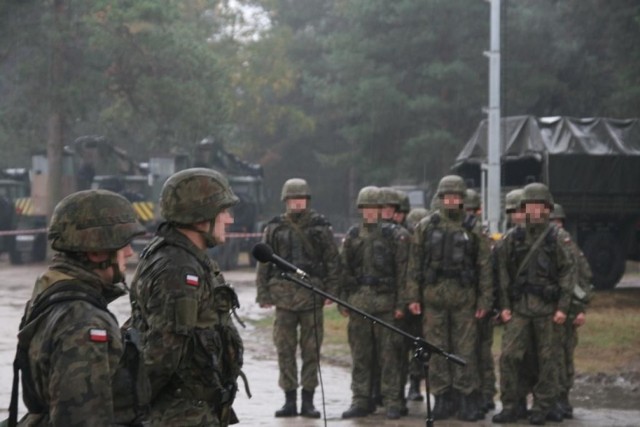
(264, 253)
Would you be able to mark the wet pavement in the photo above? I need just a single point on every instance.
(260, 366)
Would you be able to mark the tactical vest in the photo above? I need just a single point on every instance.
(450, 254)
(540, 275)
(372, 257)
(130, 387)
(299, 244)
(217, 352)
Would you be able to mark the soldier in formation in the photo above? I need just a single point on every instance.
(77, 367)
(304, 238)
(182, 305)
(374, 256)
(536, 271)
(449, 279)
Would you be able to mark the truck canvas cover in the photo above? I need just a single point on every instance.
(594, 155)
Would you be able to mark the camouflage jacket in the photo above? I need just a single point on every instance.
(305, 240)
(374, 262)
(192, 350)
(74, 352)
(449, 264)
(582, 279)
(546, 283)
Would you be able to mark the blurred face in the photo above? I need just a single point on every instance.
(518, 217)
(387, 211)
(223, 219)
(536, 212)
(296, 205)
(451, 201)
(122, 255)
(558, 222)
(370, 215)
(399, 217)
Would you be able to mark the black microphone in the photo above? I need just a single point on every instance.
(263, 253)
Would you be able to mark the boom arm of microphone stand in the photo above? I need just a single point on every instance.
(418, 342)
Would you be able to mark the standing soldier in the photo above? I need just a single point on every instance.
(404, 207)
(535, 280)
(568, 333)
(450, 276)
(374, 257)
(305, 239)
(183, 308)
(71, 351)
(486, 368)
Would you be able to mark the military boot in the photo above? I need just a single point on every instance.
(289, 408)
(567, 409)
(414, 390)
(521, 409)
(555, 414)
(307, 409)
(506, 416)
(537, 418)
(355, 412)
(467, 410)
(489, 404)
(442, 407)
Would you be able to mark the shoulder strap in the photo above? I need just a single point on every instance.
(305, 242)
(532, 250)
(43, 302)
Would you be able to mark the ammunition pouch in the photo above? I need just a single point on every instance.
(548, 293)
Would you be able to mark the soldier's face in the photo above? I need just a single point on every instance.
(399, 217)
(518, 217)
(223, 219)
(452, 201)
(122, 255)
(537, 212)
(370, 215)
(387, 212)
(296, 205)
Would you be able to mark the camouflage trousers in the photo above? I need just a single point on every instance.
(537, 336)
(372, 346)
(287, 339)
(169, 410)
(486, 366)
(455, 331)
(567, 338)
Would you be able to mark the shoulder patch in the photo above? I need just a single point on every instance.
(98, 335)
(192, 280)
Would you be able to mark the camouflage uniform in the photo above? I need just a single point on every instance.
(374, 258)
(305, 239)
(71, 351)
(182, 307)
(449, 273)
(533, 296)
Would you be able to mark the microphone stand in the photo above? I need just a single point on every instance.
(423, 350)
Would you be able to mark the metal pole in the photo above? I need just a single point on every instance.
(494, 143)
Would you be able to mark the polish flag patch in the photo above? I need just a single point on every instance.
(98, 335)
(192, 280)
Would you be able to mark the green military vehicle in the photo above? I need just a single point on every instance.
(13, 188)
(592, 167)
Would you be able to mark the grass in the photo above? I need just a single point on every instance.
(609, 342)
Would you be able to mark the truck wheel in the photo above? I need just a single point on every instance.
(606, 257)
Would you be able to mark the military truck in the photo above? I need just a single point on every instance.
(592, 167)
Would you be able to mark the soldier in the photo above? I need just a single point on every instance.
(374, 256)
(403, 209)
(535, 273)
(182, 305)
(486, 368)
(414, 217)
(568, 333)
(304, 238)
(449, 275)
(71, 352)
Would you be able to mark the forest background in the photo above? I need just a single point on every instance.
(344, 93)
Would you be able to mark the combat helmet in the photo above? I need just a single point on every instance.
(195, 195)
(415, 215)
(389, 197)
(536, 192)
(368, 197)
(451, 184)
(471, 199)
(93, 221)
(558, 212)
(512, 200)
(435, 202)
(295, 188)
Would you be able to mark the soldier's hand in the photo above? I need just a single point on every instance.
(343, 311)
(398, 314)
(266, 305)
(580, 320)
(415, 309)
(480, 313)
(559, 317)
(328, 302)
(505, 315)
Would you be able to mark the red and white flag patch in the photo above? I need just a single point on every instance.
(193, 280)
(98, 335)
